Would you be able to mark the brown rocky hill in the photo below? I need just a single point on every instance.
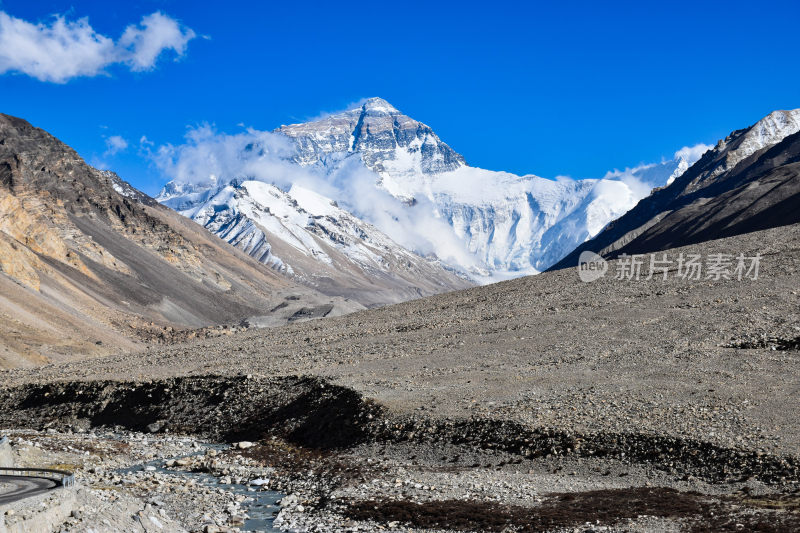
(89, 265)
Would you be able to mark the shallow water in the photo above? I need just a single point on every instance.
(260, 509)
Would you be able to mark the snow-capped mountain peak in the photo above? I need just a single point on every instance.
(377, 105)
(388, 142)
(385, 185)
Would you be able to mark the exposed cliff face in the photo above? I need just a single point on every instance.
(741, 144)
(386, 139)
(749, 181)
(85, 257)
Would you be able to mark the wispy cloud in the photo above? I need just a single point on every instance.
(644, 177)
(63, 49)
(115, 144)
(99, 163)
(325, 114)
(692, 153)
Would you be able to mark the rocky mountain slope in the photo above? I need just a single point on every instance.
(89, 265)
(749, 181)
(396, 174)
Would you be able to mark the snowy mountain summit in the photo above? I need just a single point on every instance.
(388, 190)
(386, 140)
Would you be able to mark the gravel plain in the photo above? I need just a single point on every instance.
(646, 405)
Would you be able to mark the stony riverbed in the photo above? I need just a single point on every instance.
(132, 479)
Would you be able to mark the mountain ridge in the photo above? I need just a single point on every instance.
(706, 201)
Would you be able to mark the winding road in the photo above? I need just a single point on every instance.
(13, 488)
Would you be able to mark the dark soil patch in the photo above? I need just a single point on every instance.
(701, 513)
(773, 343)
(560, 510)
(322, 470)
(305, 411)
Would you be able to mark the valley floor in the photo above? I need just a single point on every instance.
(538, 404)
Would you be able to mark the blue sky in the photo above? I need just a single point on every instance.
(566, 88)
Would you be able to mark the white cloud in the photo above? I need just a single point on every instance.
(325, 114)
(157, 32)
(57, 52)
(207, 155)
(98, 163)
(620, 190)
(642, 178)
(115, 144)
(686, 157)
(63, 49)
(692, 153)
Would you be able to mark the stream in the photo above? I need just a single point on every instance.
(260, 506)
